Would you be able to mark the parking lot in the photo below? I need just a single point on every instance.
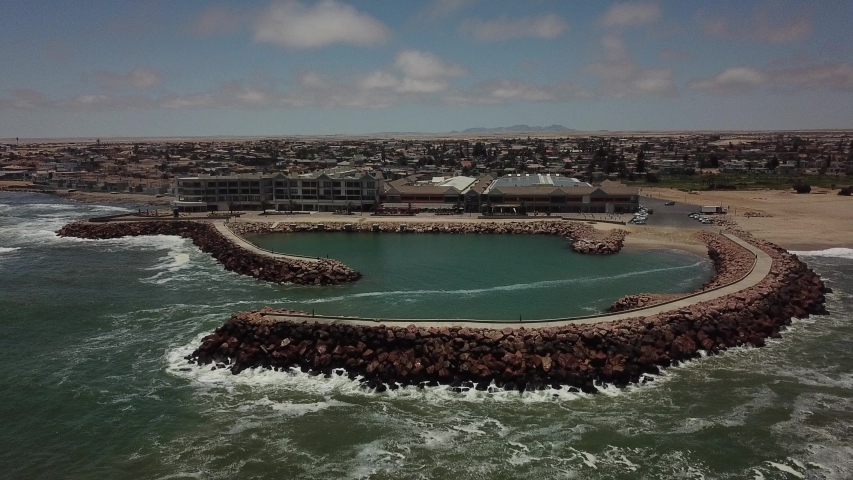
(671, 215)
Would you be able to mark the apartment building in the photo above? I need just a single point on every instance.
(323, 191)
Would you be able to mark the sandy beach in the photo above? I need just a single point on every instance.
(819, 220)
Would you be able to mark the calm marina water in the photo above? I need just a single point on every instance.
(480, 276)
(94, 386)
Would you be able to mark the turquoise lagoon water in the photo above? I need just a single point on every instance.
(480, 276)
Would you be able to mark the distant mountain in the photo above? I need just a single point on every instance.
(517, 129)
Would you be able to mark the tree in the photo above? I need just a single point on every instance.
(641, 161)
(802, 188)
(264, 206)
(772, 163)
(714, 161)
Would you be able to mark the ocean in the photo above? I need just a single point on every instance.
(94, 385)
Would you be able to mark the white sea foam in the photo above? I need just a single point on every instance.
(786, 468)
(339, 383)
(830, 252)
(145, 242)
(8, 249)
(291, 409)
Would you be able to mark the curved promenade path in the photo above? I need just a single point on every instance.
(243, 243)
(760, 269)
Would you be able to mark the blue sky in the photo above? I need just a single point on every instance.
(165, 68)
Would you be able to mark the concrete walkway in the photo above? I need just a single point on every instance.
(760, 269)
(237, 240)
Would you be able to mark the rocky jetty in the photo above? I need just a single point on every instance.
(582, 357)
(643, 300)
(604, 243)
(585, 238)
(233, 257)
(731, 263)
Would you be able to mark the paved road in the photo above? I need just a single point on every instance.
(761, 268)
(671, 215)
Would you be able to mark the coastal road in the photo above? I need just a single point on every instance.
(760, 269)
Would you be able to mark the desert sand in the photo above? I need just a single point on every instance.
(815, 221)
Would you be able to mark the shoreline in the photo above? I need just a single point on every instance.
(582, 357)
(637, 243)
(743, 304)
(800, 223)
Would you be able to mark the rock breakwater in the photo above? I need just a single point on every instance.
(233, 257)
(731, 263)
(583, 357)
(585, 238)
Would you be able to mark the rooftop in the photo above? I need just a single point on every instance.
(537, 180)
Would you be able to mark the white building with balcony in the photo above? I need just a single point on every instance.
(323, 191)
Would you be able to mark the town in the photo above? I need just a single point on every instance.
(491, 174)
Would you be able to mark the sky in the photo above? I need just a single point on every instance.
(300, 67)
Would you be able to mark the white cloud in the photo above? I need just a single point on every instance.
(768, 32)
(24, 99)
(496, 92)
(438, 9)
(219, 19)
(674, 55)
(314, 80)
(760, 27)
(504, 28)
(379, 80)
(620, 76)
(516, 90)
(423, 72)
(420, 65)
(294, 25)
(835, 76)
(417, 73)
(629, 14)
(730, 81)
(199, 100)
(139, 78)
(736, 80)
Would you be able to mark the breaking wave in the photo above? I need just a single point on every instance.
(829, 252)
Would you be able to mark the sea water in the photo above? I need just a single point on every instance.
(94, 385)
